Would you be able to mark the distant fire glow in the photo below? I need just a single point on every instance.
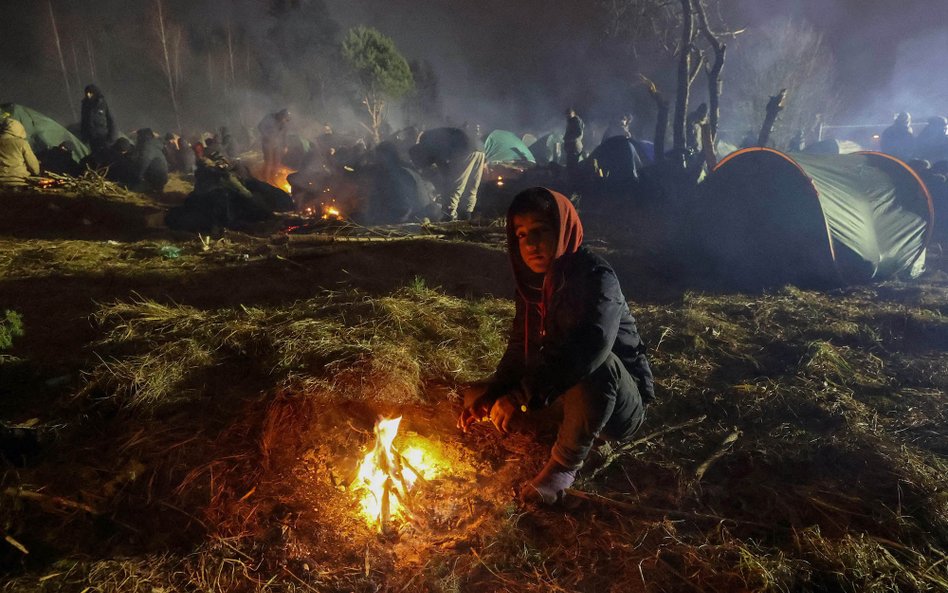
(386, 476)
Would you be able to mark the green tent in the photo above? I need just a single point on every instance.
(43, 132)
(769, 218)
(504, 147)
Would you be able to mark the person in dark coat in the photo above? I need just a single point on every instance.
(619, 127)
(117, 161)
(396, 194)
(219, 200)
(59, 160)
(573, 337)
(273, 141)
(573, 139)
(151, 167)
(228, 144)
(458, 160)
(932, 143)
(97, 128)
(898, 139)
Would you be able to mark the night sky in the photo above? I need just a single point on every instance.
(518, 63)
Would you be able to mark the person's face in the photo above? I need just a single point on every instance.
(537, 240)
(88, 94)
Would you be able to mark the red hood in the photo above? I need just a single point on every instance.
(570, 231)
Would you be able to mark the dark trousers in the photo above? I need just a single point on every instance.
(607, 403)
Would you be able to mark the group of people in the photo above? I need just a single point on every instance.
(931, 144)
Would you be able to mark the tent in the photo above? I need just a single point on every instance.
(504, 147)
(770, 218)
(548, 148)
(43, 132)
(617, 161)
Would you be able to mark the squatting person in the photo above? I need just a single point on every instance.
(572, 337)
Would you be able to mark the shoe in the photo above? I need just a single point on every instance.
(547, 487)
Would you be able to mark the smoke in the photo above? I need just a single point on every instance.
(502, 64)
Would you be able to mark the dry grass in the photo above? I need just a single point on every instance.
(345, 343)
(218, 440)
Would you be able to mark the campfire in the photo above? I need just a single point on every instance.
(280, 180)
(386, 477)
(330, 212)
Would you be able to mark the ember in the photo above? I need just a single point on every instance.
(387, 476)
(331, 211)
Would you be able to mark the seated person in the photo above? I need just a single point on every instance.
(17, 161)
(59, 160)
(573, 337)
(151, 166)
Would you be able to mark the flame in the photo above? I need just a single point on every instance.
(330, 211)
(279, 179)
(387, 475)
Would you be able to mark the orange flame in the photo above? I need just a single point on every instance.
(279, 179)
(386, 475)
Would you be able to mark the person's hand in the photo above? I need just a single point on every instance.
(502, 413)
(476, 406)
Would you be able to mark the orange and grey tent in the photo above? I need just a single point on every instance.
(771, 218)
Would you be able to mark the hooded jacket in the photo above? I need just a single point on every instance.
(566, 328)
(96, 125)
(17, 161)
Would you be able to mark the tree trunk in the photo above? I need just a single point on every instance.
(169, 71)
(661, 119)
(62, 61)
(715, 84)
(684, 74)
(774, 107)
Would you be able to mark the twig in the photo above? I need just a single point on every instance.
(404, 460)
(13, 542)
(718, 453)
(612, 457)
(57, 500)
(627, 506)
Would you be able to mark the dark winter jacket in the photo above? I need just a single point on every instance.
(573, 136)
(151, 166)
(566, 329)
(898, 140)
(97, 127)
(441, 147)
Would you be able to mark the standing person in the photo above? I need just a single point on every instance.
(17, 160)
(899, 139)
(619, 127)
(573, 337)
(573, 139)
(273, 131)
(97, 128)
(459, 160)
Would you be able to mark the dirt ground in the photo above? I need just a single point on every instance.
(187, 414)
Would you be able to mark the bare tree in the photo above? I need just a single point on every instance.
(788, 55)
(62, 61)
(171, 72)
(679, 30)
